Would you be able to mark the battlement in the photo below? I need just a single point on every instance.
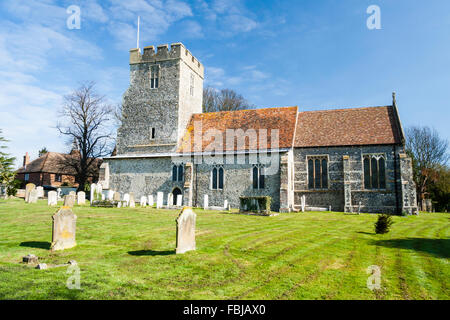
(177, 51)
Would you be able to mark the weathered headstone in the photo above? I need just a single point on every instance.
(225, 205)
(359, 208)
(303, 203)
(126, 199)
(143, 201)
(32, 198)
(170, 199)
(150, 200)
(64, 226)
(52, 198)
(186, 230)
(111, 195)
(81, 198)
(28, 188)
(179, 200)
(205, 202)
(119, 204)
(93, 192)
(69, 200)
(40, 192)
(73, 193)
(132, 203)
(116, 196)
(159, 200)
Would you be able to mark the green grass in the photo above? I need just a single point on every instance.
(129, 254)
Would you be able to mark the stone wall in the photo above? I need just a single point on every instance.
(352, 182)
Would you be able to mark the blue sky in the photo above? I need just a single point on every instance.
(309, 53)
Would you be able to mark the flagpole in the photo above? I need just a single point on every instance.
(137, 42)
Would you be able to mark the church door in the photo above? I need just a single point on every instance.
(175, 193)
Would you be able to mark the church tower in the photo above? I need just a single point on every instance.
(166, 88)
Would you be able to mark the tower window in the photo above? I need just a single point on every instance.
(258, 177)
(154, 76)
(153, 133)
(177, 173)
(374, 172)
(191, 89)
(318, 172)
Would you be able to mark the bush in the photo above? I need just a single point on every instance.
(11, 188)
(383, 224)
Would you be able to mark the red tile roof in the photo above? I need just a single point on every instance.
(282, 119)
(52, 162)
(347, 127)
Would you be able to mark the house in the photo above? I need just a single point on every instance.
(50, 170)
(346, 159)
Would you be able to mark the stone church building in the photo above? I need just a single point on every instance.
(343, 159)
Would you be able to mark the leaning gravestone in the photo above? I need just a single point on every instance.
(159, 200)
(28, 188)
(150, 200)
(179, 200)
(52, 198)
(32, 198)
(40, 192)
(143, 201)
(81, 198)
(186, 230)
(69, 200)
(64, 226)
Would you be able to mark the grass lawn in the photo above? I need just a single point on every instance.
(129, 254)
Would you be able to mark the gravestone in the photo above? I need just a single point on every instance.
(150, 200)
(143, 201)
(225, 204)
(111, 195)
(116, 196)
(73, 193)
(159, 200)
(32, 198)
(205, 202)
(126, 199)
(64, 226)
(179, 200)
(103, 197)
(28, 188)
(52, 198)
(81, 198)
(58, 192)
(169, 199)
(40, 192)
(132, 202)
(303, 202)
(69, 200)
(359, 208)
(119, 204)
(186, 230)
(99, 191)
(93, 192)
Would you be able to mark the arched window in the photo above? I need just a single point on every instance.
(180, 172)
(374, 172)
(174, 173)
(217, 178)
(177, 173)
(258, 177)
(318, 172)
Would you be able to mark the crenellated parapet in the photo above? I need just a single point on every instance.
(163, 53)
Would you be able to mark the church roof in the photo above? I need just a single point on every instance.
(348, 127)
(283, 119)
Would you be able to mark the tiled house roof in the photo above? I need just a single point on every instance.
(282, 119)
(347, 127)
(51, 162)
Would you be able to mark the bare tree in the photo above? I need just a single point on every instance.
(223, 100)
(428, 151)
(86, 122)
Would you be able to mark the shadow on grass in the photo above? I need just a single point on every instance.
(36, 244)
(151, 253)
(435, 247)
(369, 233)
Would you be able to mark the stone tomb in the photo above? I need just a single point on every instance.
(186, 230)
(64, 226)
(81, 198)
(52, 198)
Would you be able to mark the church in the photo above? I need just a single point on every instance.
(348, 160)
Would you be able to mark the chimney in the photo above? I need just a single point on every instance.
(26, 160)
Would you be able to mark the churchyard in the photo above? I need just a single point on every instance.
(130, 253)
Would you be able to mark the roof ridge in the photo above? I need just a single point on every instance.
(347, 109)
(255, 109)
